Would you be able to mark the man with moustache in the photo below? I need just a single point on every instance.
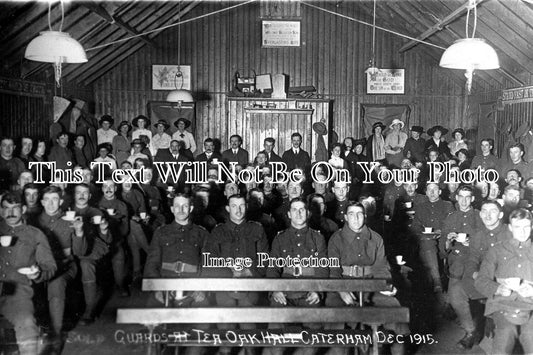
(67, 241)
(297, 241)
(511, 201)
(493, 232)
(118, 218)
(209, 153)
(29, 250)
(99, 240)
(176, 248)
(237, 238)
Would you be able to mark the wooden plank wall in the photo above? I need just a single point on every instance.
(333, 56)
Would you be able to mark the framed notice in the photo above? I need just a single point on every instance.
(280, 33)
(386, 81)
(168, 77)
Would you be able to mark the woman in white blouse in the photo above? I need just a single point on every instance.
(394, 143)
(458, 142)
(185, 136)
(140, 123)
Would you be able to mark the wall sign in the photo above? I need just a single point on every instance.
(517, 95)
(386, 81)
(164, 77)
(280, 33)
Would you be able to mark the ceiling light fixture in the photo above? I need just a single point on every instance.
(55, 47)
(470, 53)
(179, 95)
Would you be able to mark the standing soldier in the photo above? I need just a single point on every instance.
(237, 238)
(297, 241)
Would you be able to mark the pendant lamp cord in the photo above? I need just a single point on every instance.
(62, 15)
(179, 74)
(374, 37)
(471, 5)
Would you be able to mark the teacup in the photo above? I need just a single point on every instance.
(6, 240)
(142, 215)
(170, 188)
(111, 211)
(70, 215)
(428, 229)
(399, 259)
(408, 204)
(387, 218)
(461, 237)
(215, 160)
(97, 219)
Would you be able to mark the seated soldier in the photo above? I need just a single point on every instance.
(317, 219)
(26, 259)
(297, 241)
(237, 238)
(505, 278)
(361, 254)
(67, 242)
(176, 251)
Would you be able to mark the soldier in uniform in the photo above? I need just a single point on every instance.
(297, 241)
(25, 260)
(361, 254)
(336, 209)
(506, 278)
(430, 214)
(492, 232)
(67, 241)
(176, 251)
(237, 238)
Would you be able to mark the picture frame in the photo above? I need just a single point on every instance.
(164, 77)
(386, 81)
(280, 33)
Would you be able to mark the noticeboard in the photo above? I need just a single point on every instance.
(280, 33)
(386, 81)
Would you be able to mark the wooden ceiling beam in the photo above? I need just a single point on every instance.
(137, 17)
(89, 79)
(39, 10)
(115, 20)
(438, 26)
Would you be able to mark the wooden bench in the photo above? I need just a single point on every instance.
(372, 316)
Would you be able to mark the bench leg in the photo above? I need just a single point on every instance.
(151, 346)
(375, 337)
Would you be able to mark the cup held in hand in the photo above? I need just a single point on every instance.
(6, 240)
(97, 219)
(461, 237)
(428, 229)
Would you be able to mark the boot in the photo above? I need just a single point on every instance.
(468, 341)
(90, 292)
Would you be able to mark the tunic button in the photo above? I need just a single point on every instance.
(491, 244)
(7, 263)
(359, 255)
(181, 252)
(519, 265)
(182, 240)
(9, 251)
(299, 244)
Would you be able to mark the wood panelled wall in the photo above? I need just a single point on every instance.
(333, 57)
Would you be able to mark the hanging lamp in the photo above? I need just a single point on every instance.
(179, 95)
(372, 70)
(55, 47)
(470, 53)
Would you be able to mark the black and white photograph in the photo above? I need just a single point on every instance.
(266, 177)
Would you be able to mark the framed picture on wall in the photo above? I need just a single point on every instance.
(171, 76)
(280, 33)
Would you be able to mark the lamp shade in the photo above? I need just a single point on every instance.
(180, 96)
(55, 47)
(470, 54)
